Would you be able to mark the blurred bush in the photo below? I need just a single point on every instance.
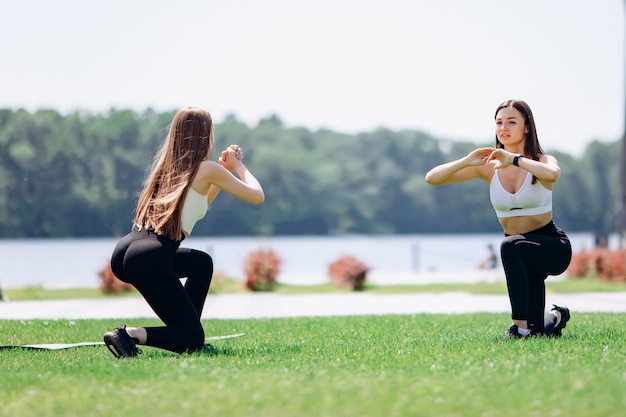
(607, 265)
(261, 269)
(348, 272)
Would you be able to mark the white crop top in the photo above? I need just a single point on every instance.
(530, 200)
(194, 209)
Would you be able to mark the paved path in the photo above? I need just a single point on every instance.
(261, 305)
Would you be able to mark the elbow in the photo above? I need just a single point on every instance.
(430, 180)
(260, 199)
(553, 176)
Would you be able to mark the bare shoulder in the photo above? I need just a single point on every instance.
(548, 159)
(208, 168)
(207, 171)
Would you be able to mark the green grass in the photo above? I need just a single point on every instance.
(589, 284)
(421, 365)
(41, 293)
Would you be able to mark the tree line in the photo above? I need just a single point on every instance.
(79, 175)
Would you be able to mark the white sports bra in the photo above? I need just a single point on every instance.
(530, 200)
(194, 209)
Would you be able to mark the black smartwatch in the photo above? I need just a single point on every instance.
(516, 159)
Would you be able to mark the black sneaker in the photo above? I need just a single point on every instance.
(512, 333)
(120, 343)
(206, 348)
(565, 316)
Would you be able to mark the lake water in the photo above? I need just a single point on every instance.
(62, 263)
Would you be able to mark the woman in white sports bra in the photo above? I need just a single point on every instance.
(182, 183)
(520, 177)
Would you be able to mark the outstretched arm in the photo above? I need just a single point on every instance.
(469, 167)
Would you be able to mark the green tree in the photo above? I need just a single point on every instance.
(80, 175)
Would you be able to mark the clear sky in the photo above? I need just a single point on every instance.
(348, 65)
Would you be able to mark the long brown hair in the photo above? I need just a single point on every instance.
(531, 140)
(188, 142)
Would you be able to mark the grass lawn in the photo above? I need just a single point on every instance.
(404, 365)
(589, 284)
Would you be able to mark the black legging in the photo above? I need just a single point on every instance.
(154, 265)
(528, 259)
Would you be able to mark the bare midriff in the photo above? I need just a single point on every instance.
(524, 224)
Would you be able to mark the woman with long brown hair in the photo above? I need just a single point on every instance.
(182, 183)
(521, 178)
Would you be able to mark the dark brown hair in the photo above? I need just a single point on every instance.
(532, 147)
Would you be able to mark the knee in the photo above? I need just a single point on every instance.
(207, 261)
(202, 260)
(203, 264)
(508, 247)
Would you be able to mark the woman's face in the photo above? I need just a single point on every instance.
(511, 128)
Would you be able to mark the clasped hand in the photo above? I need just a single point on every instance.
(498, 156)
(231, 157)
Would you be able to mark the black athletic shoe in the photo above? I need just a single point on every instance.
(206, 348)
(565, 316)
(120, 343)
(512, 333)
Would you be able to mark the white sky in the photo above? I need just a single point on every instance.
(349, 65)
